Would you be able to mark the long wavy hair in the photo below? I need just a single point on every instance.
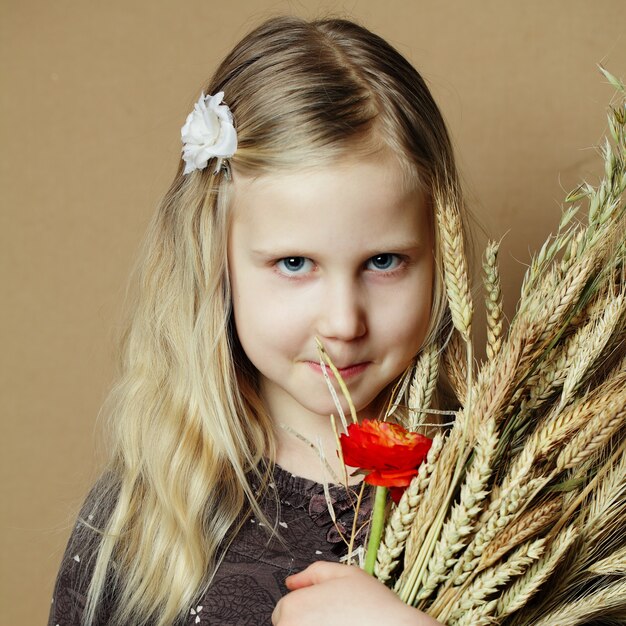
(188, 428)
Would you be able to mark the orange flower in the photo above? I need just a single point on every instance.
(387, 452)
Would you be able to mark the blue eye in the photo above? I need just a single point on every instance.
(384, 262)
(294, 265)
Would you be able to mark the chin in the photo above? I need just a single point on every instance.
(372, 406)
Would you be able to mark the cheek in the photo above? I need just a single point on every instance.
(407, 338)
(405, 317)
(265, 320)
(404, 334)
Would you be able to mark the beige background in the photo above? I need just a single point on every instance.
(93, 95)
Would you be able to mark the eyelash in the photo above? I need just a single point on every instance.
(289, 258)
(399, 259)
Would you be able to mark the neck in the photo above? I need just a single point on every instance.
(311, 455)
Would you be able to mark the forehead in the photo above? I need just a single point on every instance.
(364, 201)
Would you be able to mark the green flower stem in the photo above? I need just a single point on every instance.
(376, 530)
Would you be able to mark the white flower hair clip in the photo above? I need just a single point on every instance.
(208, 133)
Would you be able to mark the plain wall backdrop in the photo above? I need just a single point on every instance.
(93, 95)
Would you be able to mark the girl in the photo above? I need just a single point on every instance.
(303, 210)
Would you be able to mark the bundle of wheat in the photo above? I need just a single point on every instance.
(526, 492)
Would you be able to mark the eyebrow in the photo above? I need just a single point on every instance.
(285, 250)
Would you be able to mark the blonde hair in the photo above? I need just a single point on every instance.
(188, 427)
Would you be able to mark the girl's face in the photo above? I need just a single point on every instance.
(343, 253)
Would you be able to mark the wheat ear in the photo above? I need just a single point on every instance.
(600, 428)
(430, 518)
(423, 385)
(529, 524)
(433, 497)
(493, 299)
(551, 247)
(592, 342)
(502, 511)
(612, 565)
(494, 578)
(527, 585)
(588, 606)
(455, 264)
(547, 309)
(455, 364)
(553, 374)
(607, 488)
(559, 426)
(494, 385)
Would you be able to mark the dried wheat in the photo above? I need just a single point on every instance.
(592, 342)
(529, 524)
(455, 265)
(423, 385)
(587, 607)
(493, 300)
(494, 578)
(479, 616)
(527, 585)
(501, 512)
(612, 565)
(608, 418)
(559, 426)
(456, 530)
(455, 365)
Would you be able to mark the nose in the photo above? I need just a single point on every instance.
(342, 313)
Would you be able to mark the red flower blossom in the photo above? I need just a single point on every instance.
(387, 452)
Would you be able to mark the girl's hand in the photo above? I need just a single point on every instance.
(332, 593)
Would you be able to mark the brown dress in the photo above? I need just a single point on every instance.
(250, 579)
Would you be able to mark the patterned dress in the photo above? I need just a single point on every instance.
(250, 579)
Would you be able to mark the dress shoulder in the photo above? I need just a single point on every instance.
(77, 565)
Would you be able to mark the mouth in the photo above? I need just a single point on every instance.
(350, 371)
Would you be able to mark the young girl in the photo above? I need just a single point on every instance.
(303, 210)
